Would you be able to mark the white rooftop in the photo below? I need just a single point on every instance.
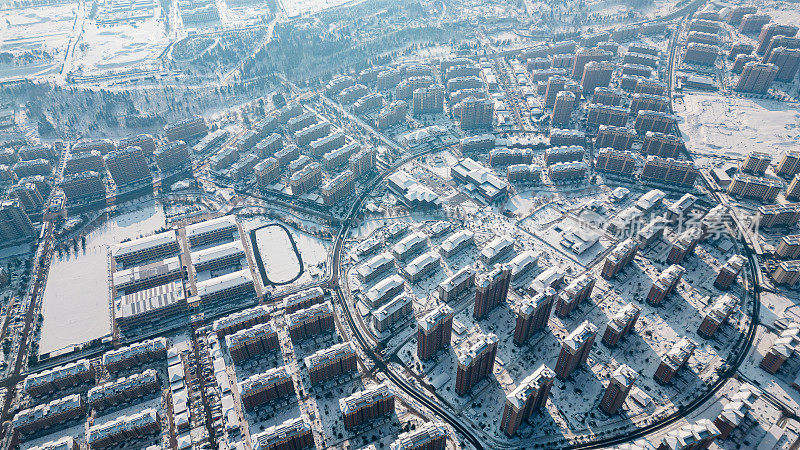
(144, 243)
(209, 226)
(217, 252)
(223, 282)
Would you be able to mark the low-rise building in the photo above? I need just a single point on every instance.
(394, 311)
(456, 284)
(332, 362)
(266, 387)
(367, 405)
(251, 342)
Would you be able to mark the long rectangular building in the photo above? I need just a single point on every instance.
(374, 267)
(241, 320)
(311, 321)
(136, 278)
(123, 390)
(456, 242)
(384, 290)
(681, 174)
(303, 299)
(156, 304)
(251, 342)
(137, 251)
(364, 406)
(331, 362)
(58, 378)
(58, 411)
(135, 355)
(392, 312)
(219, 257)
(456, 284)
(123, 429)
(212, 231)
(292, 434)
(266, 387)
(232, 286)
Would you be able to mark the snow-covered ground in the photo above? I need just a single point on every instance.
(44, 30)
(297, 7)
(277, 254)
(121, 46)
(715, 125)
(76, 303)
(313, 251)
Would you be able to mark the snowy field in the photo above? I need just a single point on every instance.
(76, 295)
(41, 34)
(277, 254)
(124, 45)
(295, 8)
(732, 126)
(313, 251)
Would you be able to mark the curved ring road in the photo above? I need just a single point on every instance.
(451, 417)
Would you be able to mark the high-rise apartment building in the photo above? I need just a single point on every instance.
(473, 113)
(433, 331)
(620, 257)
(475, 359)
(756, 77)
(428, 100)
(789, 165)
(562, 109)
(782, 348)
(730, 271)
(787, 60)
(758, 188)
(619, 386)
(128, 166)
(575, 349)
(717, 315)
(756, 163)
(666, 282)
(533, 312)
(15, 226)
(491, 290)
(681, 174)
(621, 323)
(676, 358)
(531, 395)
(576, 292)
(770, 31)
(618, 162)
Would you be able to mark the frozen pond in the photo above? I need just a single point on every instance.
(276, 254)
(76, 295)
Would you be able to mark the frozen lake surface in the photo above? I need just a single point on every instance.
(278, 254)
(76, 303)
